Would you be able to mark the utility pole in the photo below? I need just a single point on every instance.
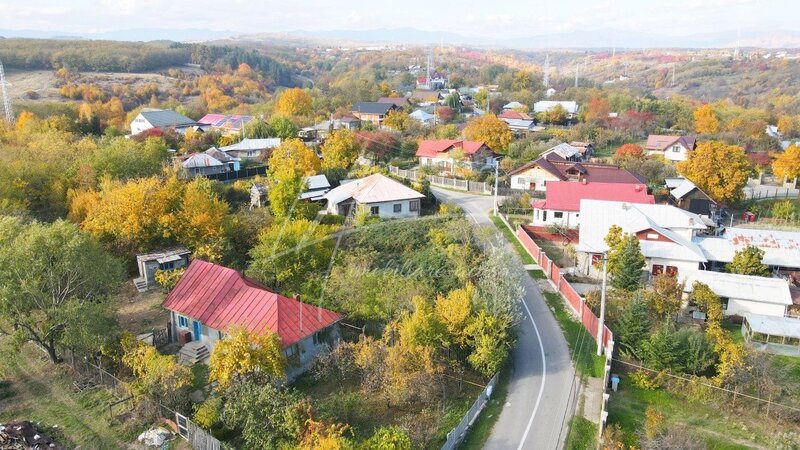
(4, 93)
(546, 78)
(600, 324)
(576, 76)
(496, 176)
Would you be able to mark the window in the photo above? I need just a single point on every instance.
(597, 259)
(658, 269)
(290, 351)
(397, 207)
(676, 148)
(672, 271)
(183, 322)
(413, 205)
(167, 265)
(724, 301)
(544, 216)
(220, 335)
(374, 210)
(316, 338)
(558, 215)
(653, 236)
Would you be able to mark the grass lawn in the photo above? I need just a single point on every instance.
(480, 430)
(537, 274)
(719, 428)
(605, 152)
(42, 392)
(140, 312)
(587, 360)
(735, 332)
(526, 258)
(582, 434)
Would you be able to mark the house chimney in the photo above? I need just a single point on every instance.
(637, 188)
(584, 181)
(691, 221)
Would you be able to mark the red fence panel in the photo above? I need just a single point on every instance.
(571, 295)
(556, 274)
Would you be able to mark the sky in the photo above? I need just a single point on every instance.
(510, 18)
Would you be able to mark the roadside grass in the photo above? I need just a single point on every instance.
(582, 434)
(479, 431)
(719, 428)
(509, 235)
(537, 274)
(43, 392)
(586, 360)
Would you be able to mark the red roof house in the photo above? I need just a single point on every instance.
(563, 200)
(440, 152)
(511, 114)
(209, 299)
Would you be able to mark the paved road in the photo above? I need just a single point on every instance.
(537, 407)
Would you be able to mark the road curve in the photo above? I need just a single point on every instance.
(538, 405)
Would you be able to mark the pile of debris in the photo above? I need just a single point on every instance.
(25, 436)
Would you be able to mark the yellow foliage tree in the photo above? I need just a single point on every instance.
(242, 353)
(719, 169)
(294, 102)
(340, 150)
(705, 121)
(787, 164)
(294, 154)
(157, 376)
(397, 120)
(491, 131)
(202, 219)
(454, 311)
(24, 118)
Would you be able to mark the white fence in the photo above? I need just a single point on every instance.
(453, 183)
(457, 434)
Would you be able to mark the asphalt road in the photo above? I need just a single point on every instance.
(538, 406)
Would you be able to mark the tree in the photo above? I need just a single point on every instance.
(481, 98)
(662, 351)
(397, 120)
(51, 291)
(625, 260)
(157, 376)
(453, 101)
(282, 127)
(449, 131)
(289, 251)
(340, 150)
(784, 210)
(294, 154)
(630, 151)
(445, 114)
(633, 328)
(597, 111)
(454, 312)
(378, 145)
(285, 187)
(705, 121)
(787, 163)
(666, 296)
(202, 220)
(242, 353)
(491, 131)
(388, 438)
(708, 302)
(294, 102)
(555, 115)
(490, 343)
(747, 261)
(719, 169)
(256, 129)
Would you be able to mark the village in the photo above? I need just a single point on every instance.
(239, 258)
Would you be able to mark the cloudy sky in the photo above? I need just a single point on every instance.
(514, 18)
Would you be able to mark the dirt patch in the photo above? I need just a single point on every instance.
(140, 312)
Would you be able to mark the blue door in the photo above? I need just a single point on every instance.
(196, 325)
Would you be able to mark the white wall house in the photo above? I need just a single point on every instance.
(383, 196)
(535, 175)
(448, 154)
(162, 119)
(672, 148)
(743, 294)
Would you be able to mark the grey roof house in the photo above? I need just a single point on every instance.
(162, 119)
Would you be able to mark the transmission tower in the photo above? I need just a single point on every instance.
(546, 79)
(6, 99)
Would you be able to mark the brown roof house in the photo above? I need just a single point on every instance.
(534, 175)
(672, 148)
(450, 153)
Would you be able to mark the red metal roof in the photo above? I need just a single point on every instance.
(514, 115)
(567, 195)
(431, 148)
(220, 297)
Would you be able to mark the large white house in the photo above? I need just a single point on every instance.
(562, 203)
(743, 294)
(383, 196)
(672, 148)
(546, 105)
(535, 175)
(161, 119)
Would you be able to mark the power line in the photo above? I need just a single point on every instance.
(708, 385)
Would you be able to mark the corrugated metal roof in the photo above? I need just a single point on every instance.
(781, 248)
(166, 118)
(567, 195)
(252, 144)
(745, 287)
(220, 297)
(774, 326)
(373, 108)
(546, 105)
(432, 148)
(375, 188)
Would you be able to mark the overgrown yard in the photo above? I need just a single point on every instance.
(140, 312)
(41, 392)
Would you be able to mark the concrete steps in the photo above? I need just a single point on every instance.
(193, 353)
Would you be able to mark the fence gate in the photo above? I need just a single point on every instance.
(183, 425)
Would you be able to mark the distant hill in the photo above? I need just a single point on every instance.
(133, 34)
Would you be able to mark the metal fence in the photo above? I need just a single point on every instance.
(247, 172)
(457, 434)
(453, 183)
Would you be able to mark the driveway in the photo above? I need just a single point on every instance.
(538, 407)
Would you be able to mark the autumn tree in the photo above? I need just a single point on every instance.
(449, 131)
(708, 302)
(289, 251)
(340, 150)
(748, 261)
(719, 169)
(242, 353)
(488, 337)
(282, 127)
(289, 165)
(388, 438)
(787, 164)
(555, 115)
(377, 145)
(445, 114)
(705, 121)
(454, 312)
(202, 219)
(397, 120)
(665, 296)
(295, 154)
(157, 376)
(597, 111)
(491, 131)
(51, 291)
(630, 151)
(294, 102)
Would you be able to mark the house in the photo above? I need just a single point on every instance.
(672, 148)
(383, 196)
(252, 148)
(320, 131)
(666, 235)
(772, 131)
(209, 299)
(686, 195)
(437, 81)
(258, 195)
(586, 149)
(520, 126)
(511, 106)
(400, 102)
(424, 97)
(209, 162)
(149, 263)
(423, 117)
(743, 294)
(448, 154)
(372, 111)
(226, 123)
(565, 151)
(546, 105)
(562, 204)
(162, 119)
(535, 175)
(316, 187)
(514, 115)
(781, 248)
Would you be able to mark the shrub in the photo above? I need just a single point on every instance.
(642, 380)
(169, 278)
(207, 414)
